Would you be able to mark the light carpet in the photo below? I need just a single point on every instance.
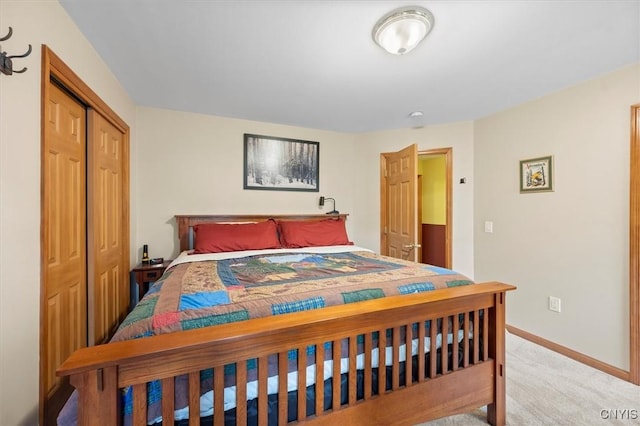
(546, 388)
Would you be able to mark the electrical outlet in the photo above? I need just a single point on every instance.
(488, 227)
(554, 304)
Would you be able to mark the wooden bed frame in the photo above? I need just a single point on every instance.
(441, 387)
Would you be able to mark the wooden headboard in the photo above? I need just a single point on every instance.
(187, 222)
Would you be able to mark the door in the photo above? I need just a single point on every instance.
(64, 303)
(399, 212)
(74, 160)
(108, 258)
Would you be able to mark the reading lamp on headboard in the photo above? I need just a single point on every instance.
(334, 211)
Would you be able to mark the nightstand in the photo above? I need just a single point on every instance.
(143, 274)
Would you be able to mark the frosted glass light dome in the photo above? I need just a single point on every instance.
(401, 30)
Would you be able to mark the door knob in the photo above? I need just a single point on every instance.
(411, 246)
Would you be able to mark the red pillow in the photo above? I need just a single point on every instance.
(330, 232)
(222, 237)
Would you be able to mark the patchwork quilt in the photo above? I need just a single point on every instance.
(205, 293)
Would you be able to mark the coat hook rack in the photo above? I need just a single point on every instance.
(6, 64)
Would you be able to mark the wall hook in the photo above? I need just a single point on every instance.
(8, 36)
(6, 64)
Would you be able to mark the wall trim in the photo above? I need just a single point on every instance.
(634, 247)
(570, 353)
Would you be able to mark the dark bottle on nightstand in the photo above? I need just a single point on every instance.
(145, 254)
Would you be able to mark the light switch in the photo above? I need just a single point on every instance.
(488, 226)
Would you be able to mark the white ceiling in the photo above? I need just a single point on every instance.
(313, 63)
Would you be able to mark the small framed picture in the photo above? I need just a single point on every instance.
(536, 174)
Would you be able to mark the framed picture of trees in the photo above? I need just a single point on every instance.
(281, 164)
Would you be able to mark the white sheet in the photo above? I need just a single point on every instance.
(186, 257)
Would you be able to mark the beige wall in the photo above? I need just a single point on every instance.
(571, 243)
(34, 22)
(193, 164)
(566, 243)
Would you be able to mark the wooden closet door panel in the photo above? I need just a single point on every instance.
(108, 226)
(64, 231)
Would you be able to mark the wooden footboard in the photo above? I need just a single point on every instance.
(460, 378)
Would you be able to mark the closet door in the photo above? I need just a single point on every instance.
(108, 219)
(64, 306)
(84, 224)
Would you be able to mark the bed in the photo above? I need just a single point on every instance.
(318, 331)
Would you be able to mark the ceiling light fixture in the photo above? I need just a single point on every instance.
(401, 30)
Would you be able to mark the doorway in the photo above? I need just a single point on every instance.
(434, 218)
(402, 203)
